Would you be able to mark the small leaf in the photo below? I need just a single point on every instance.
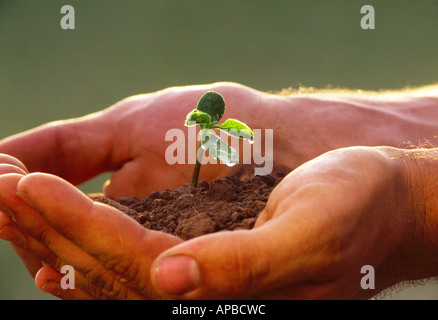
(212, 103)
(219, 149)
(197, 117)
(236, 128)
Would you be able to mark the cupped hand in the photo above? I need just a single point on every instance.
(52, 224)
(128, 139)
(323, 222)
(326, 220)
(313, 231)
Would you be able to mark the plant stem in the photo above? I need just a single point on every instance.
(197, 166)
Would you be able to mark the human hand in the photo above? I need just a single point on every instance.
(323, 222)
(129, 140)
(328, 218)
(51, 223)
(81, 148)
(126, 138)
(129, 137)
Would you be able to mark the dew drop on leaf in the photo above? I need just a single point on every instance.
(230, 164)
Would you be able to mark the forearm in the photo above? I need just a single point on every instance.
(421, 247)
(305, 125)
(313, 123)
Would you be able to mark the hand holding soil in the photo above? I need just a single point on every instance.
(323, 222)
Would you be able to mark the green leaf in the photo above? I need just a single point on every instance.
(219, 149)
(212, 103)
(197, 117)
(236, 128)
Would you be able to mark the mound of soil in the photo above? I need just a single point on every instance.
(223, 204)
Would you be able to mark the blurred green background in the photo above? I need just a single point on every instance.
(120, 48)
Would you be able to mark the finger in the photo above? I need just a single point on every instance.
(28, 248)
(30, 260)
(10, 231)
(7, 159)
(49, 280)
(33, 252)
(117, 241)
(76, 149)
(128, 182)
(51, 247)
(9, 168)
(242, 264)
(130, 179)
(21, 217)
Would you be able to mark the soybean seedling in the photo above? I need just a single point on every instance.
(208, 112)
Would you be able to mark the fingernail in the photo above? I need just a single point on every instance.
(12, 234)
(178, 274)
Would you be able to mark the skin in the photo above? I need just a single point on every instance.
(341, 208)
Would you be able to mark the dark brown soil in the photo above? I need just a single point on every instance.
(187, 212)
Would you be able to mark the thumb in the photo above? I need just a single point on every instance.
(234, 264)
(75, 149)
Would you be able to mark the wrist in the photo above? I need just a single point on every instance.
(421, 247)
(317, 122)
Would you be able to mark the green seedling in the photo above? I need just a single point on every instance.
(208, 112)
